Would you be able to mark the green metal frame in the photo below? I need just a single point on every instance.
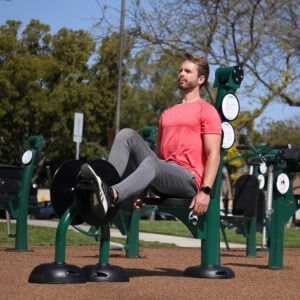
(247, 227)
(61, 236)
(283, 205)
(207, 227)
(18, 206)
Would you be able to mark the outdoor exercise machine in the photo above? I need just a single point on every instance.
(149, 134)
(70, 198)
(274, 167)
(15, 183)
(247, 212)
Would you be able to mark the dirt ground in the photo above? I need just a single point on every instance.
(157, 274)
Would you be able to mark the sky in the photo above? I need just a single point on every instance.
(73, 14)
(82, 14)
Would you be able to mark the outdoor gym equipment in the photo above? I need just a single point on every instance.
(227, 80)
(70, 198)
(247, 211)
(274, 167)
(149, 134)
(15, 189)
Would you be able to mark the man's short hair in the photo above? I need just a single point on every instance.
(202, 64)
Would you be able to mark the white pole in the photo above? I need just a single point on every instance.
(77, 131)
(120, 66)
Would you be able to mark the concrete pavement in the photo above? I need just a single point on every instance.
(144, 236)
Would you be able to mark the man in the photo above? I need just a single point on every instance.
(187, 153)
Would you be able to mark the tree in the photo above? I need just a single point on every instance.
(44, 80)
(153, 87)
(281, 133)
(262, 36)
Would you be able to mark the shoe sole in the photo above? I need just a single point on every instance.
(88, 173)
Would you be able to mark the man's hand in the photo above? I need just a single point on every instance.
(138, 203)
(200, 204)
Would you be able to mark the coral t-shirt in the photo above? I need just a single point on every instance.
(180, 132)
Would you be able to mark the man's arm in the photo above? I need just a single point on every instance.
(212, 144)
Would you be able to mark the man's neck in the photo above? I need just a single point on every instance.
(190, 96)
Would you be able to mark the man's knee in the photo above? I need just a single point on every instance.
(126, 133)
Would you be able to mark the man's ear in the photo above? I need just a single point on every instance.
(201, 80)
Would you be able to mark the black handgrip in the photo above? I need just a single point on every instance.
(278, 147)
(285, 146)
(243, 147)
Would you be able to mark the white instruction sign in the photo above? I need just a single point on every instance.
(78, 127)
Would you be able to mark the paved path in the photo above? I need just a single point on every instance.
(148, 237)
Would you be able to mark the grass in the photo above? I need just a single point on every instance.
(43, 236)
(291, 235)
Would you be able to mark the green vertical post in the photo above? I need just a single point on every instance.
(132, 242)
(276, 235)
(227, 80)
(284, 206)
(104, 244)
(251, 238)
(61, 233)
(210, 246)
(35, 143)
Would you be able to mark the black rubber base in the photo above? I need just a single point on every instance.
(215, 272)
(57, 273)
(100, 272)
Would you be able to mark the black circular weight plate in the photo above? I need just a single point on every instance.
(106, 171)
(110, 176)
(62, 188)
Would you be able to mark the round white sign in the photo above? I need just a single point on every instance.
(263, 167)
(261, 180)
(230, 107)
(228, 135)
(282, 183)
(27, 156)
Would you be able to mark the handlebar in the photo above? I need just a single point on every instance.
(262, 149)
(264, 152)
(243, 147)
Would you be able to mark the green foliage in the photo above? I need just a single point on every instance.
(281, 133)
(261, 36)
(42, 84)
(44, 80)
(152, 89)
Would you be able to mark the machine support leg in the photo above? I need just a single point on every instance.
(251, 239)
(61, 234)
(210, 246)
(59, 271)
(132, 243)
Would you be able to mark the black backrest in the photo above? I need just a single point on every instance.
(11, 177)
(247, 197)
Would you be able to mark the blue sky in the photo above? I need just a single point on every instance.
(82, 14)
(73, 14)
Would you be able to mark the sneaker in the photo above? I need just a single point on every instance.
(103, 198)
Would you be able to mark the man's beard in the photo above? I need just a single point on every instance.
(186, 86)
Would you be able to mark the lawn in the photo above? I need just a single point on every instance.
(42, 236)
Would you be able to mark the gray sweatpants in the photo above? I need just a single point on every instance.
(140, 168)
